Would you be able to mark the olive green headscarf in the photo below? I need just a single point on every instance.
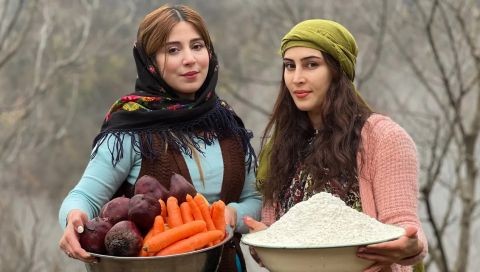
(326, 36)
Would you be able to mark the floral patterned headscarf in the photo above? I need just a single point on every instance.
(156, 109)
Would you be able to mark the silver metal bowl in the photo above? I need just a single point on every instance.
(204, 260)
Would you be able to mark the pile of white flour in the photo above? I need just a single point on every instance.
(323, 221)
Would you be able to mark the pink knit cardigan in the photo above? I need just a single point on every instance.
(388, 180)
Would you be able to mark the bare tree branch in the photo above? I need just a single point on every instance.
(7, 30)
(379, 47)
(15, 45)
(42, 79)
(244, 100)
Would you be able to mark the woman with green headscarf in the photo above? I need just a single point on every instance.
(323, 137)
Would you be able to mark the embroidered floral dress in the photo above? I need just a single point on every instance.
(302, 188)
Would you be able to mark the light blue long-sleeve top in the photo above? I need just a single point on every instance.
(101, 180)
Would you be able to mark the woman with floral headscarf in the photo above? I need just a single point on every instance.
(172, 122)
(323, 137)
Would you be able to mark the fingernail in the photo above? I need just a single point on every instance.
(80, 229)
(246, 218)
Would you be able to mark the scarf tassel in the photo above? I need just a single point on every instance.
(218, 123)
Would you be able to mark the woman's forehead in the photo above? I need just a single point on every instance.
(183, 31)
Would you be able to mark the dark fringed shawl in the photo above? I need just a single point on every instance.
(155, 109)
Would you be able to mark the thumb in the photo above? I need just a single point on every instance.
(411, 232)
(253, 225)
(78, 220)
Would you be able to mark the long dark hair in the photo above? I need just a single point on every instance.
(333, 152)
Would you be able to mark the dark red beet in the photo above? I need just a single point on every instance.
(180, 187)
(123, 239)
(149, 185)
(115, 210)
(142, 211)
(93, 236)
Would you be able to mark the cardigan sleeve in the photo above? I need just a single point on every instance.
(268, 214)
(249, 204)
(101, 180)
(395, 180)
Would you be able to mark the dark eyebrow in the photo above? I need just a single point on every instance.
(305, 58)
(191, 41)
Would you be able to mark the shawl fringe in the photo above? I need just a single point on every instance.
(215, 124)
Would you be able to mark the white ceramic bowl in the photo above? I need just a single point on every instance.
(314, 259)
(335, 259)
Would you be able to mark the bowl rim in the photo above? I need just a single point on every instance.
(229, 236)
(391, 238)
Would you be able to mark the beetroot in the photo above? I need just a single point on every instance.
(180, 187)
(115, 210)
(92, 238)
(142, 211)
(149, 185)
(123, 239)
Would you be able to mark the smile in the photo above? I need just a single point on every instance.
(190, 75)
(301, 94)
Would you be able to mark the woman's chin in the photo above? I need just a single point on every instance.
(304, 107)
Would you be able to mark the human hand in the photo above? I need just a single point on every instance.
(69, 242)
(254, 226)
(231, 216)
(387, 253)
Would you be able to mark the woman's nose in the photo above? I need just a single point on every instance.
(298, 77)
(188, 57)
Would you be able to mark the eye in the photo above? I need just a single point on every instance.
(289, 66)
(172, 50)
(198, 46)
(311, 65)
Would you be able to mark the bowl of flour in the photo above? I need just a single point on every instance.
(320, 234)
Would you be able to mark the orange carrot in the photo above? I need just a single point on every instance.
(174, 213)
(197, 214)
(148, 235)
(158, 225)
(170, 236)
(192, 243)
(186, 212)
(143, 253)
(164, 209)
(203, 206)
(218, 216)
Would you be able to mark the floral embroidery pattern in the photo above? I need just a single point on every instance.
(144, 103)
(302, 188)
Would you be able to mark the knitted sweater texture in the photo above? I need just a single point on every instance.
(388, 180)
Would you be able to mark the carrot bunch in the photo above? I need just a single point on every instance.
(183, 227)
